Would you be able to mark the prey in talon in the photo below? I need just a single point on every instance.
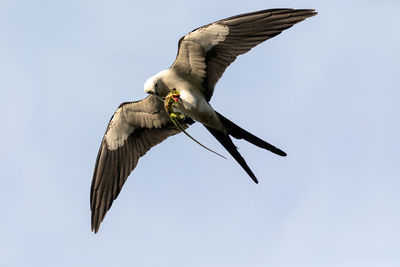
(170, 102)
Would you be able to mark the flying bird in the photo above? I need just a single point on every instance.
(203, 55)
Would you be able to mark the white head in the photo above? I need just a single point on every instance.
(155, 85)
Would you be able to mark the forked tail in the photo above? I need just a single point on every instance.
(239, 133)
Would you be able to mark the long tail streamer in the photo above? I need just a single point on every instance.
(169, 102)
(177, 124)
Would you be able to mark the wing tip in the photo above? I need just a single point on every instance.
(95, 225)
(94, 229)
(313, 12)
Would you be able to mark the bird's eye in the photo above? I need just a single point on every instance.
(156, 85)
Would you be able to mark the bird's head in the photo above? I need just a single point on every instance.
(155, 85)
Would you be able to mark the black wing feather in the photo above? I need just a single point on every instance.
(113, 166)
(245, 32)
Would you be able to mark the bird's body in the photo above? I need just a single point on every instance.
(203, 55)
(192, 102)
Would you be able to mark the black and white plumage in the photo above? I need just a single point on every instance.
(203, 55)
(134, 128)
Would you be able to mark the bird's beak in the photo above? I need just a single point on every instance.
(152, 92)
(149, 91)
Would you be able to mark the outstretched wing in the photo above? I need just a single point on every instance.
(134, 128)
(205, 53)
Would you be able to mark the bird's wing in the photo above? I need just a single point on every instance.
(205, 53)
(134, 128)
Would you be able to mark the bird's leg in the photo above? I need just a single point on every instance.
(169, 102)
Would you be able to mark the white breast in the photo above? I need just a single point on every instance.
(192, 101)
(194, 105)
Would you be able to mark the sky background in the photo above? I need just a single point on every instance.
(325, 91)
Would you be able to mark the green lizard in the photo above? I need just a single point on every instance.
(169, 102)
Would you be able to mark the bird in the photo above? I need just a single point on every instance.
(202, 57)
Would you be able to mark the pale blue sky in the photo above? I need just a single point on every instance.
(325, 91)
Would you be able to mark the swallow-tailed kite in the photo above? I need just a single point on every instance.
(203, 55)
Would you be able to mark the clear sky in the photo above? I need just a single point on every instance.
(326, 91)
